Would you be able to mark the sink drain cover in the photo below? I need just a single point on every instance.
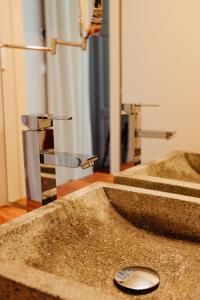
(137, 279)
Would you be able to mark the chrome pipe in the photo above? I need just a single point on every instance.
(41, 159)
(154, 134)
(134, 112)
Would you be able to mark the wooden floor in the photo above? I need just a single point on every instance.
(10, 212)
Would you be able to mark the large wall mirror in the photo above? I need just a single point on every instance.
(72, 82)
(160, 66)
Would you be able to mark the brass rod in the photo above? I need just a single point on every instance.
(35, 48)
(65, 43)
(52, 49)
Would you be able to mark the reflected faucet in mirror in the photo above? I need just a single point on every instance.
(41, 158)
(134, 112)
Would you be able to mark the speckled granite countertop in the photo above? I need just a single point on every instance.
(72, 248)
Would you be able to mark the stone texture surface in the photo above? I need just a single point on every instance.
(72, 248)
(178, 172)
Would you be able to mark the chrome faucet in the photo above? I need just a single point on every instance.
(136, 132)
(40, 157)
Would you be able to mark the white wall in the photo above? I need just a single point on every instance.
(115, 88)
(3, 181)
(161, 64)
(12, 103)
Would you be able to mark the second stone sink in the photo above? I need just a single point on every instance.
(72, 248)
(177, 172)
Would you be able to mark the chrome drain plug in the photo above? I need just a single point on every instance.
(137, 279)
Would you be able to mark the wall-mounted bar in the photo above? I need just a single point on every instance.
(22, 47)
(52, 49)
(82, 45)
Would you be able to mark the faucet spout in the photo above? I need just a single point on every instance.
(154, 134)
(64, 159)
(87, 161)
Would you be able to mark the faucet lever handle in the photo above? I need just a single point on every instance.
(149, 105)
(41, 121)
(134, 108)
(56, 117)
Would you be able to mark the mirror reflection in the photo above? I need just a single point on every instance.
(60, 85)
(66, 83)
(91, 17)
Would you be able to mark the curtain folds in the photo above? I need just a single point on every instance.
(68, 84)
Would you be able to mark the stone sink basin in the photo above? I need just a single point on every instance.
(71, 249)
(177, 172)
